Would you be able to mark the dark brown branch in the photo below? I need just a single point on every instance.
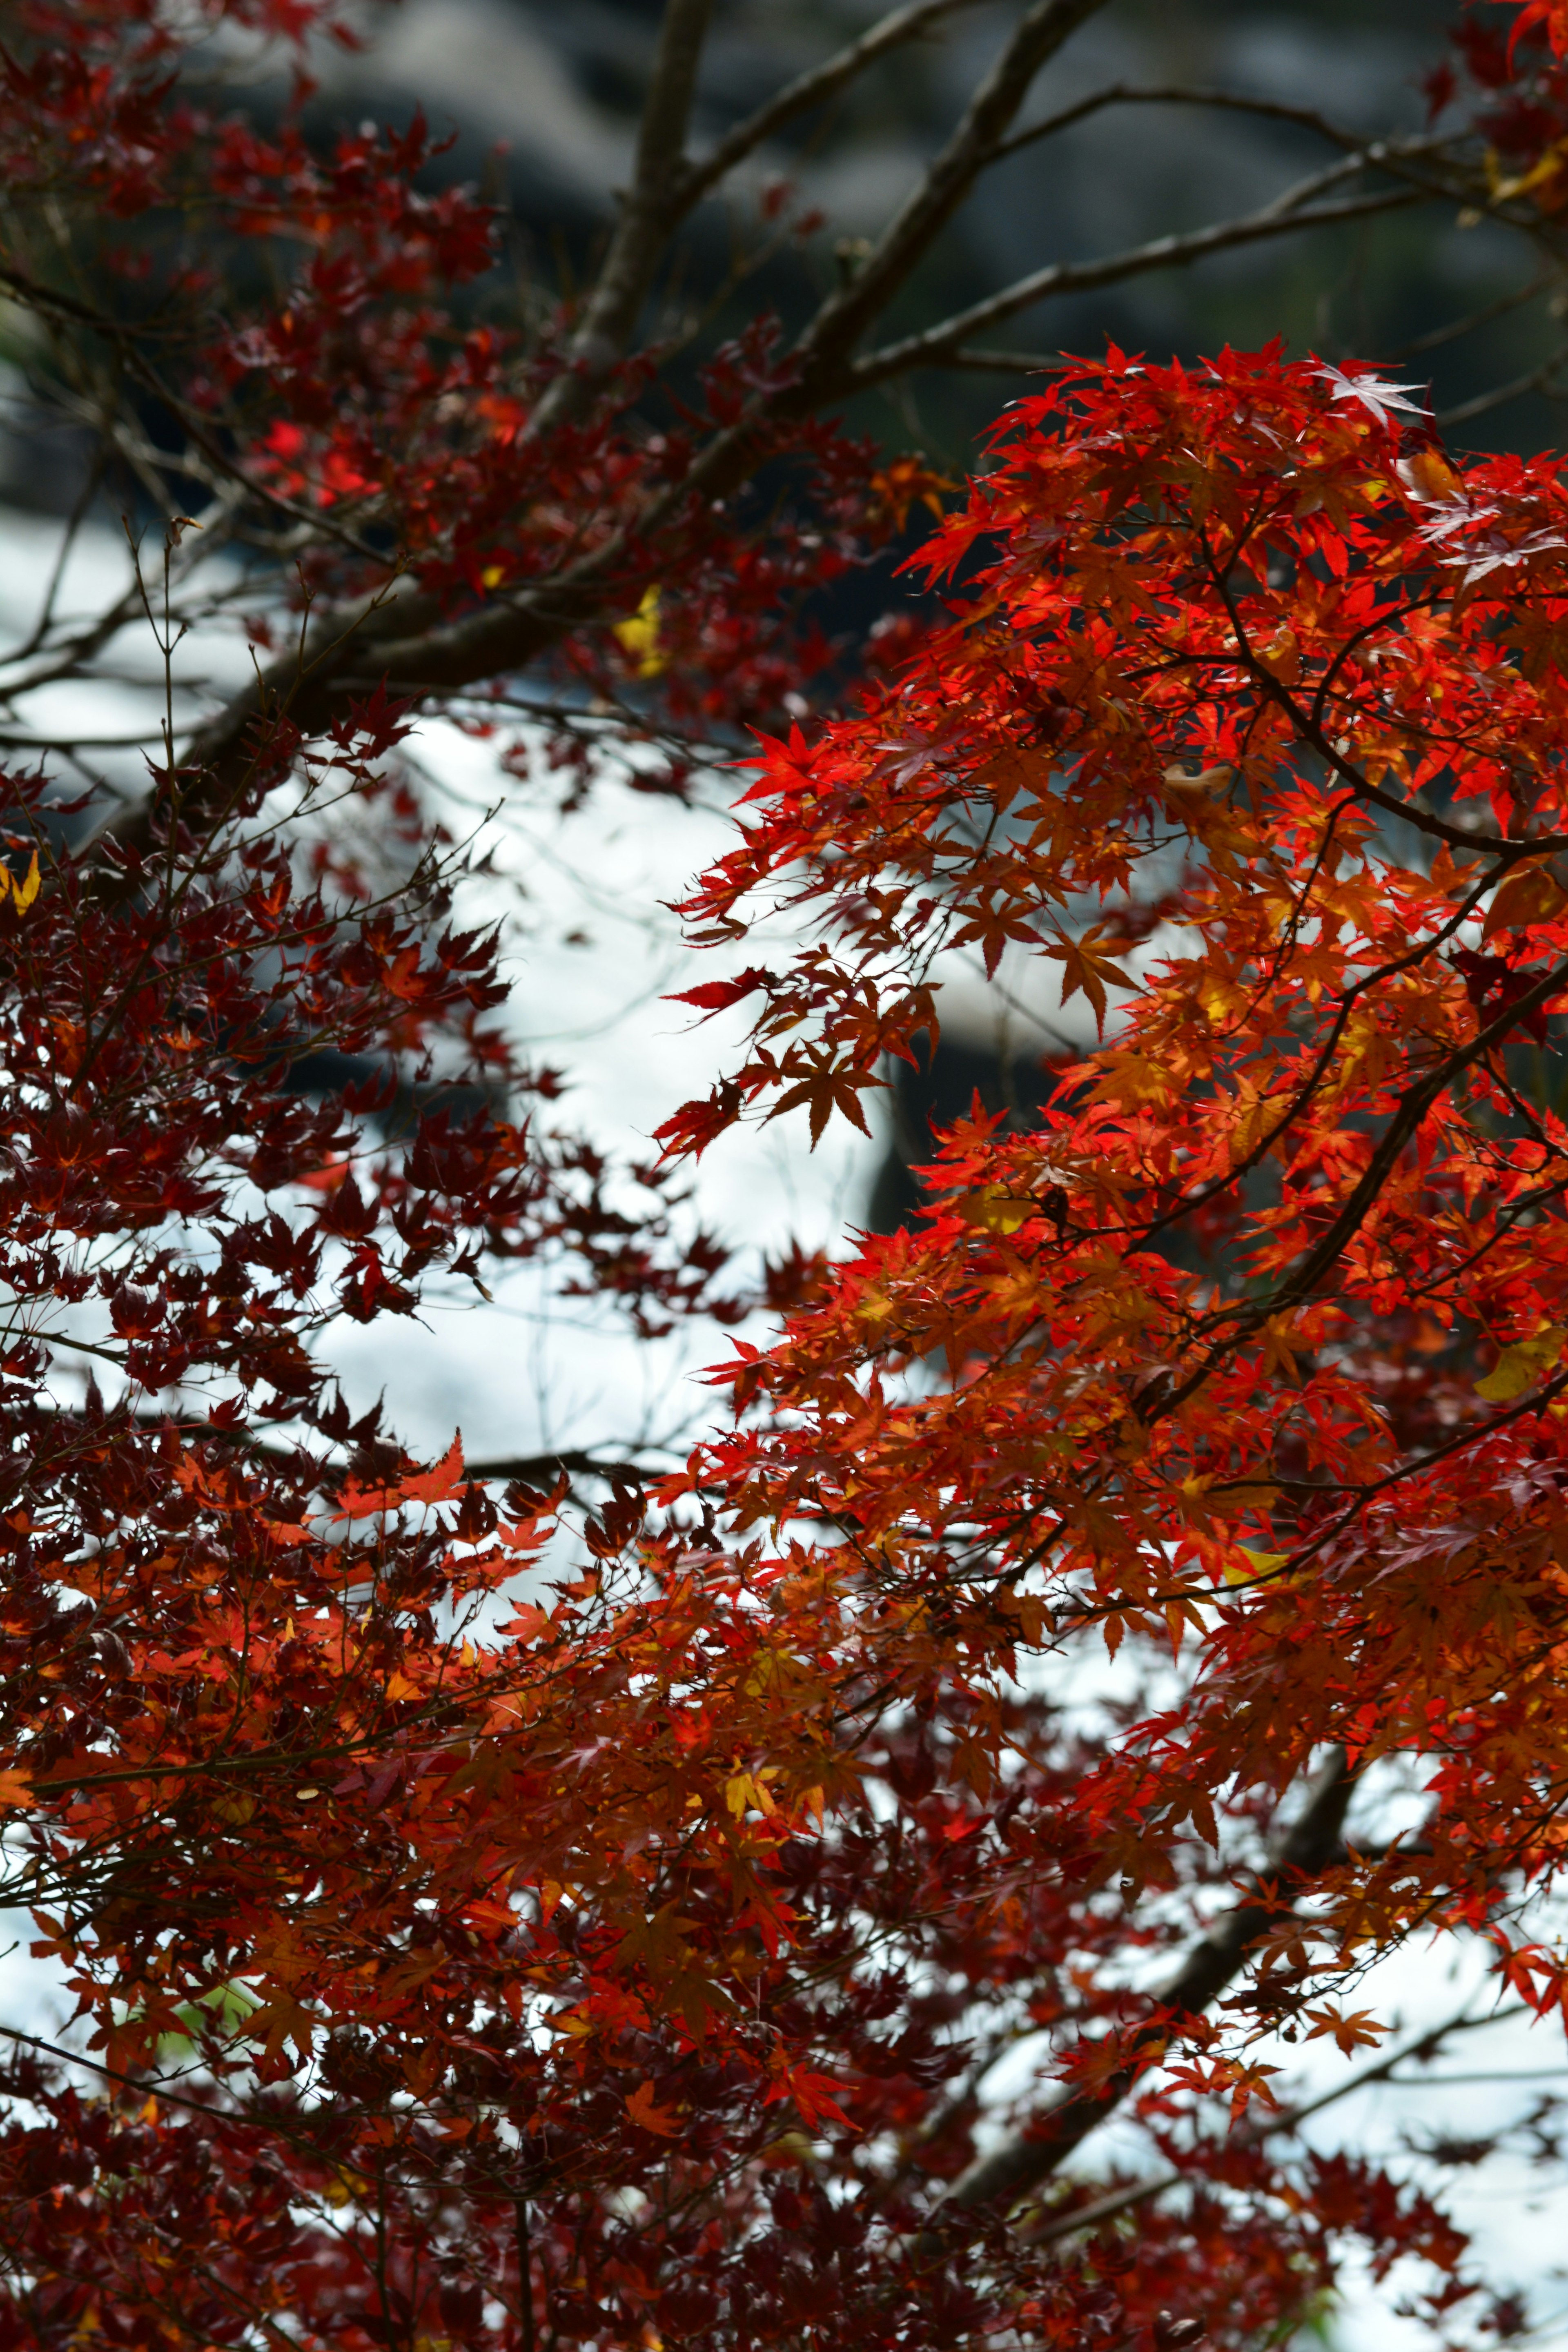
(406, 641)
(1005, 362)
(1399, 1131)
(511, 632)
(1268, 110)
(845, 315)
(813, 89)
(649, 210)
(574, 1461)
(1056, 2226)
(668, 186)
(1299, 1854)
(936, 345)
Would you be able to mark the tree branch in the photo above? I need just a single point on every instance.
(509, 633)
(1413, 1109)
(1005, 362)
(1301, 1851)
(650, 208)
(937, 345)
(403, 638)
(812, 88)
(844, 316)
(1535, 379)
(1269, 110)
(1056, 2226)
(1454, 329)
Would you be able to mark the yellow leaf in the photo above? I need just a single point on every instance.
(1131, 1079)
(1278, 1354)
(1543, 174)
(1528, 895)
(1284, 655)
(571, 2022)
(1522, 1364)
(25, 891)
(1258, 1563)
(1430, 478)
(745, 1790)
(909, 482)
(998, 1212)
(15, 1789)
(640, 635)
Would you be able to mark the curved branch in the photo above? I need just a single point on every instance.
(1301, 1852)
(1536, 379)
(845, 315)
(936, 345)
(1049, 2231)
(812, 88)
(1268, 110)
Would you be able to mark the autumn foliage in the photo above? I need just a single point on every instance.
(582, 1906)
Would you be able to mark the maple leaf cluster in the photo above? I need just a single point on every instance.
(496, 1923)
(1246, 616)
(1508, 66)
(1250, 621)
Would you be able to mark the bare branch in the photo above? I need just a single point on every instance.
(934, 347)
(1268, 110)
(1003, 362)
(1454, 329)
(430, 658)
(650, 208)
(1535, 379)
(575, 1462)
(407, 641)
(845, 315)
(813, 89)
(513, 632)
(1306, 1848)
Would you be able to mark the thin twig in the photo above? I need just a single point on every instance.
(1455, 329)
(1536, 379)
(844, 318)
(1233, 101)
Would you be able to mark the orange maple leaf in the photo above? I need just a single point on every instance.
(644, 2109)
